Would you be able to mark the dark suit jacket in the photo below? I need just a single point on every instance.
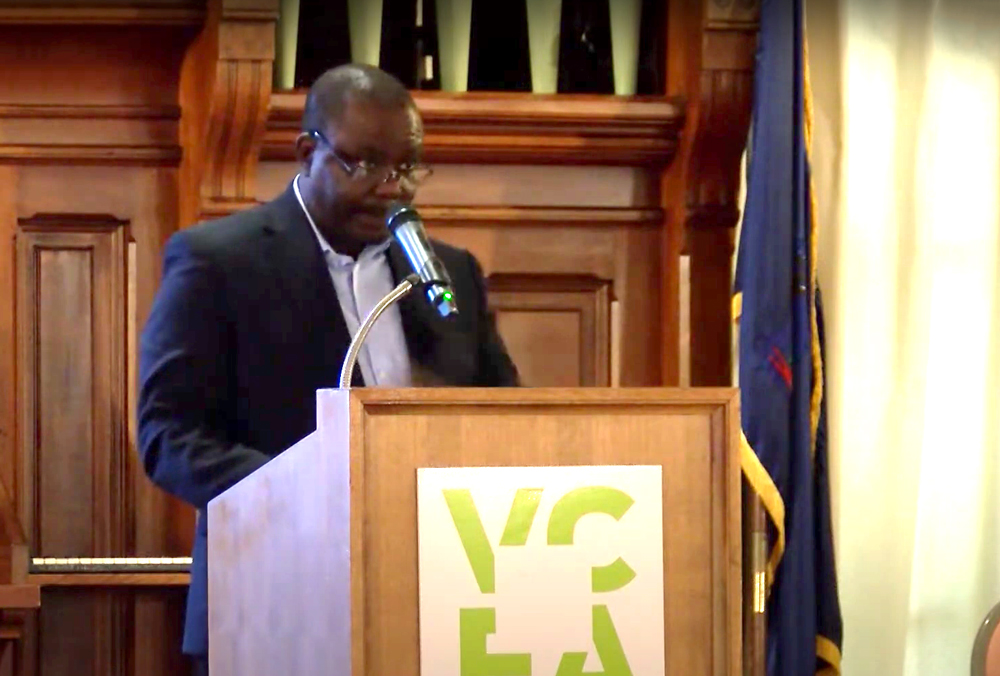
(245, 328)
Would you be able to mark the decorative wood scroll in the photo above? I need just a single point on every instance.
(225, 89)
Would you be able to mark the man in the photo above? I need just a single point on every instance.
(255, 311)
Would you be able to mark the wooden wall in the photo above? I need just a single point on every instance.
(89, 185)
(121, 121)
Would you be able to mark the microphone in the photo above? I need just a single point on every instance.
(407, 227)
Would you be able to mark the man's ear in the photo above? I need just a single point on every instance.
(305, 146)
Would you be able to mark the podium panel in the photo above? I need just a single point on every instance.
(315, 561)
(550, 570)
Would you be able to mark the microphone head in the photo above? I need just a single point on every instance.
(406, 226)
(397, 214)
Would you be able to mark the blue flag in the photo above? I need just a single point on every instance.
(781, 357)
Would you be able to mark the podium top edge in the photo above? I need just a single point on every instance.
(550, 396)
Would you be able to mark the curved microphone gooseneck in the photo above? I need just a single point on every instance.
(404, 288)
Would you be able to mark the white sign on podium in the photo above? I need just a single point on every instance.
(541, 571)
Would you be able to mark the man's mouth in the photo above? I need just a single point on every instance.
(371, 223)
(369, 217)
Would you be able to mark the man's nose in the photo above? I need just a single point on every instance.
(393, 188)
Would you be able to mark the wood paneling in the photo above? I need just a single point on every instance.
(72, 296)
(111, 65)
(518, 189)
(539, 256)
(107, 631)
(83, 284)
(89, 156)
(568, 314)
(8, 344)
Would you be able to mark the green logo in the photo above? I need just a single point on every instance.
(475, 624)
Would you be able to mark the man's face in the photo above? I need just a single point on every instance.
(350, 166)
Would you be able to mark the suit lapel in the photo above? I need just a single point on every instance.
(296, 261)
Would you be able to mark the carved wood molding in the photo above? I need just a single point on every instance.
(226, 85)
(519, 128)
(724, 107)
(236, 127)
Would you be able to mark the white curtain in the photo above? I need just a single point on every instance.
(906, 161)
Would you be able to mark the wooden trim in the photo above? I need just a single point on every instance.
(223, 208)
(14, 596)
(519, 128)
(571, 397)
(113, 155)
(88, 112)
(13, 530)
(479, 216)
(108, 16)
(19, 596)
(110, 579)
(250, 14)
(473, 216)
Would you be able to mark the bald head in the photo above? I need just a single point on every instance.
(333, 90)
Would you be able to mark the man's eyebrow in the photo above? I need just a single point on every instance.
(365, 152)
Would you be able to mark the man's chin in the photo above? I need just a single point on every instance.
(369, 229)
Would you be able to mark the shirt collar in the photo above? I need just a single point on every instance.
(369, 250)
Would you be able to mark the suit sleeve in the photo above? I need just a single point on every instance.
(496, 368)
(184, 393)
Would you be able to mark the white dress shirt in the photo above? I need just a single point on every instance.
(384, 359)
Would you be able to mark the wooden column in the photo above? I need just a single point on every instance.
(721, 91)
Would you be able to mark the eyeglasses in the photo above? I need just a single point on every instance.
(410, 175)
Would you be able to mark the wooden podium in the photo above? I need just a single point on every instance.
(313, 560)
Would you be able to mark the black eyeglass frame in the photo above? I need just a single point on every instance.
(411, 175)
